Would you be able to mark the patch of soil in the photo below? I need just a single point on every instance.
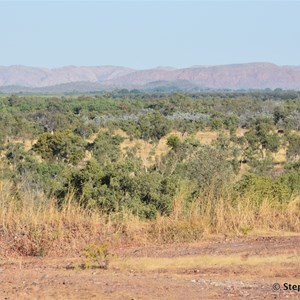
(50, 278)
(239, 246)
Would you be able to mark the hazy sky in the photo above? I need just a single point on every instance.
(148, 34)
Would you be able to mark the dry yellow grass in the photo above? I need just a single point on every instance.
(121, 133)
(206, 261)
(148, 152)
(206, 137)
(280, 156)
(26, 142)
(33, 225)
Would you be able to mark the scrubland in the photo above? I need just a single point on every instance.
(144, 183)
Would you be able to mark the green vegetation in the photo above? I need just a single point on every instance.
(96, 256)
(88, 149)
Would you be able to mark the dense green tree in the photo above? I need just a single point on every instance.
(63, 146)
(154, 126)
(261, 137)
(293, 149)
(106, 147)
(173, 141)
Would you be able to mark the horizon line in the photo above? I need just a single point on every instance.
(149, 68)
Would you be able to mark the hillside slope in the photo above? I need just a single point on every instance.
(237, 76)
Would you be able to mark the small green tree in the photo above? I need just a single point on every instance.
(106, 147)
(173, 141)
(154, 126)
(261, 138)
(293, 149)
(63, 146)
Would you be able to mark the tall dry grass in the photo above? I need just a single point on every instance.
(226, 215)
(33, 225)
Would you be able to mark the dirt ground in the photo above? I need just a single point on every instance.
(244, 268)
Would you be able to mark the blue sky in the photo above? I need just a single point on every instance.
(148, 34)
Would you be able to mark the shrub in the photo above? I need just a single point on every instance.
(261, 188)
(97, 256)
(63, 146)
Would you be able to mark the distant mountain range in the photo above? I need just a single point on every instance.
(84, 79)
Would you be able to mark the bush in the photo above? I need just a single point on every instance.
(63, 146)
(173, 142)
(261, 188)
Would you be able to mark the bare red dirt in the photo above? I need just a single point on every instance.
(253, 266)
